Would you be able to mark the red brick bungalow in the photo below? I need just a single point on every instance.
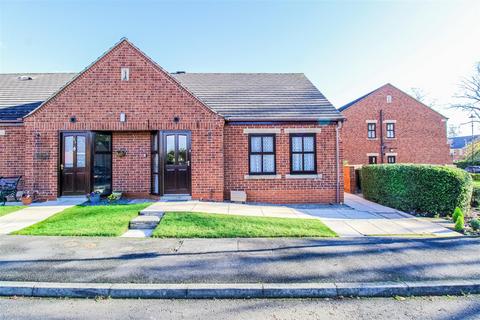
(126, 124)
(389, 126)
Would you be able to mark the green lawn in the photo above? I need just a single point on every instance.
(7, 209)
(476, 183)
(204, 225)
(87, 221)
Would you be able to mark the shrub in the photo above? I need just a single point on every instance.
(460, 224)
(424, 189)
(457, 213)
(476, 195)
(475, 224)
(475, 176)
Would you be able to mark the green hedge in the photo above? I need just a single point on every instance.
(423, 189)
(475, 176)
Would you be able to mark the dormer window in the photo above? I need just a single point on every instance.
(124, 74)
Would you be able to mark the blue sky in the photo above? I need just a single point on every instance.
(347, 48)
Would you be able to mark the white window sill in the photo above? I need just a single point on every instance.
(263, 176)
(390, 138)
(372, 139)
(303, 176)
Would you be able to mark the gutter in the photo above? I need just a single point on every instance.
(337, 159)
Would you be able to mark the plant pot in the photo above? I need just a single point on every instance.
(27, 201)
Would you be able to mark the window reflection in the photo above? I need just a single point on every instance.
(102, 163)
(81, 156)
(170, 149)
(182, 149)
(68, 156)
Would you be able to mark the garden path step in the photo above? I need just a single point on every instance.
(144, 222)
(156, 213)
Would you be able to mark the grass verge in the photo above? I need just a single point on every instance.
(205, 225)
(104, 221)
(8, 209)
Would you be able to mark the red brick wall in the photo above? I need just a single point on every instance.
(131, 173)
(420, 132)
(151, 99)
(282, 190)
(12, 148)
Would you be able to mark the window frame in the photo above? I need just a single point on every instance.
(374, 130)
(262, 153)
(392, 124)
(394, 158)
(303, 135)
(376, 159)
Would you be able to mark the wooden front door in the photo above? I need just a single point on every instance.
(75, 164)
(177, 173)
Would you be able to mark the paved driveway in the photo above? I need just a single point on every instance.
(358, 217)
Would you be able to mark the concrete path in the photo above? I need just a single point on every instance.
(35, 213)
(358, 217)
(361, 217)
(124, 260)
(257, 210)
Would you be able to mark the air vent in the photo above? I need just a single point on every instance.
(25, 78)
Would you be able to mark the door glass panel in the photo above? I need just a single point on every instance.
(68, 158)
(155, 162)
(81, 156)
(155, 183)
(182, 149)
(267, 144)
(103, 142)
(102, 172)
(155, 142)
(170, 150)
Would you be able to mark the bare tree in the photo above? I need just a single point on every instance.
(418, 94)
(453, 131)
(423, 97)
(469, 99)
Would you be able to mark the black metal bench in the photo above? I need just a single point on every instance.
(8, 187)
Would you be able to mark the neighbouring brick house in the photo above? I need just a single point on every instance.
(126, 124)
(389, 126)
(459, 146)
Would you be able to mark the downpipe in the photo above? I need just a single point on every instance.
(337, 156)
